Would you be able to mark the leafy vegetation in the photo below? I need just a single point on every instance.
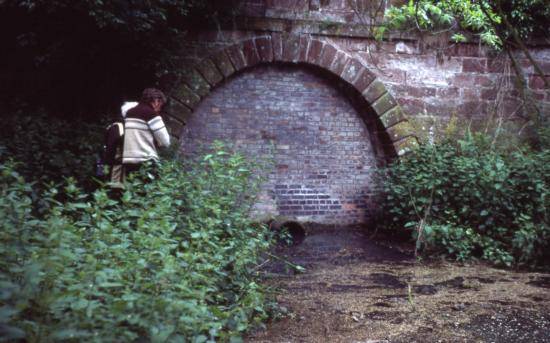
(465, 198)
(458, 16)
(488, 20)
(174, 259)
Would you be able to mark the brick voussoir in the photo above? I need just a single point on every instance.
(277, 46)
(185, 95)
(364, 80)
(251, 55)
(291, 48)
(236, 57)
(210, 72)
(327, 56)
(304, 46)
(339, 63)
(265, 48)
(223, 63)
(314, 51)
(352, 71)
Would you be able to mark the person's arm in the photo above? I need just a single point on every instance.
(159, 131)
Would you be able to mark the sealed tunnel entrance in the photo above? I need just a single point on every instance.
(322, 148)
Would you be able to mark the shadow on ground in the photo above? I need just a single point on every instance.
(358, 289)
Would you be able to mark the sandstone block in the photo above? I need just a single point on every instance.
(537, 82)
(474, 65)
(178, 110)
(210, 72)
(173, 126)
(184, 94)
(236, 56)
(223, 63)
(196, 82)
(400, 131)
(489, 93)
(384, 104)
(393, 117)
(374, 91)
(406, 145)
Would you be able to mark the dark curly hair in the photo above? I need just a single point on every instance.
(150, 94)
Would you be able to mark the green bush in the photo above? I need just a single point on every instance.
(471, 200)
(173, 260)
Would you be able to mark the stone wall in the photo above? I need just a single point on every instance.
(385, 93)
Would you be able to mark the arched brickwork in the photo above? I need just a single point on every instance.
(198, 80)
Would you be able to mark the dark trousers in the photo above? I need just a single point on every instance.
(148, 168)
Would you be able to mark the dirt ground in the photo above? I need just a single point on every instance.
(357, 289)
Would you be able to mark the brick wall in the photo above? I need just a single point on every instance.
(321, 152)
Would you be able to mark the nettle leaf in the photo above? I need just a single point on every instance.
(122, 268)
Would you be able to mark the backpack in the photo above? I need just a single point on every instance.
(111, 152)
(112, 148)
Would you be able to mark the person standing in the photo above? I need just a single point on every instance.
(144, 131)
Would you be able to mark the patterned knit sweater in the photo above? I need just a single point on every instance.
(144, 130)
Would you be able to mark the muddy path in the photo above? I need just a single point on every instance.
(356, 289)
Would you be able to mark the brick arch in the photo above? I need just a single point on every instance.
(198, 80)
